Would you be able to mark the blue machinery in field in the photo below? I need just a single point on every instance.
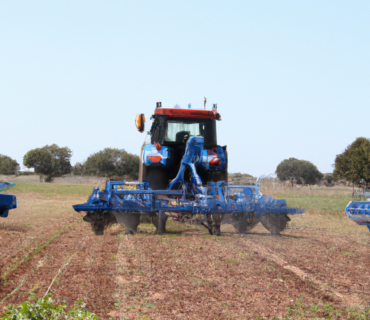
(245, 204)
(7, 202)
(359, 212)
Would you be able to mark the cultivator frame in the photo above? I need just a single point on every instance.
(136, 197)
(187, 198)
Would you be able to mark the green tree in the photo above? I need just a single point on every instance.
(354, 163)
(298, 171)
(49, 161)
(8, 165)
(110, 162)
(79, 169)
(330, 178)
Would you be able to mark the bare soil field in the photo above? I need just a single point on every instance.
(318, 268)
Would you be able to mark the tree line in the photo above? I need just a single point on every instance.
(352, 165)
(54, 161)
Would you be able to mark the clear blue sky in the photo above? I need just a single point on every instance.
(291, 78)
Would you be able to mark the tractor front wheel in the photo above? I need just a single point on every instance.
(275, 223)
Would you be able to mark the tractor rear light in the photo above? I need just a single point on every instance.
(155, 158)
(215, 161)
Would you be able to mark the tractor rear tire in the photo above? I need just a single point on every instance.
(244, 222)
(275, 223)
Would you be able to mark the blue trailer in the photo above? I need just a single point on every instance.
(7, 202)
(124, 201)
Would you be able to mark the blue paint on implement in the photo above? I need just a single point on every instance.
(216, 198)
(193, 155)
(359, 212)
(6, 185)
(185, 197)
(7, 202)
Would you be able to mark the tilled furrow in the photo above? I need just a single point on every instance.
(334, 265)
(201, 277)
(87, 275)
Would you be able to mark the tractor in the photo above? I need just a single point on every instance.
(183, 174)
(171, 129)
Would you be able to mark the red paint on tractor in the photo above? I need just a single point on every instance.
(188, 113)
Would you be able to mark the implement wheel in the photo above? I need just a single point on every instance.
(275, 223)
(244, 222)
(100, 220)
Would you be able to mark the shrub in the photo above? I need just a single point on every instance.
(51, 161)
(8, 165)
(108, 163)
(47, 308)
(299, 171)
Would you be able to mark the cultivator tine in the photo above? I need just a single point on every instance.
(208, 228)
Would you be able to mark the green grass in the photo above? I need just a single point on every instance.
(300, 310)
(52, 188)
(318, 202)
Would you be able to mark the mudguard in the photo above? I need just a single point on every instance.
(7, 202)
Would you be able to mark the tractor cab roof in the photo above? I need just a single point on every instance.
(188, 113)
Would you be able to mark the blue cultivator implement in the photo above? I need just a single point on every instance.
(244, 204)
(359, 212)
(7, 202)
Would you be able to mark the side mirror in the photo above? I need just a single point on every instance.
(140, 122)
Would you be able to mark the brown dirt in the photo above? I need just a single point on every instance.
(194, 276)
(88, 275)
(38, 238)
(185, 275)
(340, 263)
